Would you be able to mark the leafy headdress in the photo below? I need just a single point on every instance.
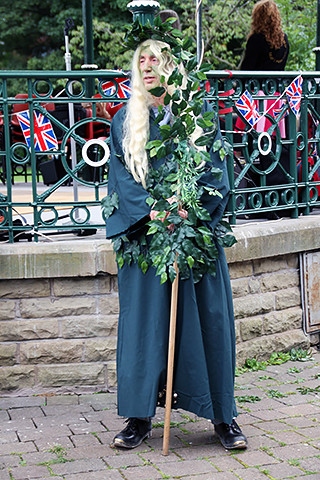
(190, 242)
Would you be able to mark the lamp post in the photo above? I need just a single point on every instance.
(144, 10)
(199, 30)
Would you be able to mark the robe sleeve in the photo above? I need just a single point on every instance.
(133, 211)
(215, 204)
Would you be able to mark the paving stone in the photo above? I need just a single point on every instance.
(4, 475)
(52, 432)
(188, 467)
(255, 458)
(283, 436)
(250, 474)
(96, 451)
(33, 472)
(44, 443)
(98, 475)
(9, 461)
(292, 452)
(290, 437)
(4, 417)
(86, 427)
(85, 439)
(8, 437)
(17, 448)
(21, 413)
(146, 472)
(285, 471)
(78, 466)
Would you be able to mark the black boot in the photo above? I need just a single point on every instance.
(133, 435)
(231, 435)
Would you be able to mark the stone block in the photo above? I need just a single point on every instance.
(74, 287)
(254, 285)
(57, 307)
(80, 374)
(89, 326)
(280, 280)
(240, 269)
(22, 330)
(288, 298)
(112, 375)
(7, 309)
(253, 305)
(271, 264)
(282, 320)
(8, 354)
(24, 288)
(251, 328)
(17, 377)
(240, 287)
(51, 351)
(237, 325)
(100, 349)
(108, 304)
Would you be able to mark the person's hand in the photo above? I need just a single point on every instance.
(181, 211)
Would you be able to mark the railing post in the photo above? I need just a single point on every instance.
(144, 10)
(88, 43)
(317, 49)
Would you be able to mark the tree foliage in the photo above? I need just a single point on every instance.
(32, 32)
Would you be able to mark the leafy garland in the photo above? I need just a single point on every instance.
(170, 239)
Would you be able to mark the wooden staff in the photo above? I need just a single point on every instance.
(170, 365)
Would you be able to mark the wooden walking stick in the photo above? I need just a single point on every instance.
(170, 365)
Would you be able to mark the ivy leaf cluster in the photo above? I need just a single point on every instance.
(173, 238)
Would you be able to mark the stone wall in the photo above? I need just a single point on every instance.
(59, 305)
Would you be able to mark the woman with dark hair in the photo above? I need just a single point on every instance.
(267, 45)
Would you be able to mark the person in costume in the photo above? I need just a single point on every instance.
(267, 45)
(205, 337)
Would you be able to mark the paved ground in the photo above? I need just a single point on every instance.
(68, 436)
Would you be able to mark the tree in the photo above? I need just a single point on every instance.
(32, 37)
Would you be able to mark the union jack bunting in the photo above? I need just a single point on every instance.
(44, 136)
(123, 90)
(276, 112)
(294, 94)
(247, 107)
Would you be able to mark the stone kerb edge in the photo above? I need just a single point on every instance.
(87, 258)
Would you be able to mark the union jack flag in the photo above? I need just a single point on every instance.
(121, 88)
(294, 94)
(44, 136)
(247, 107)
(276, 112)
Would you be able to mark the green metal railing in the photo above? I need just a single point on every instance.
(273, 168)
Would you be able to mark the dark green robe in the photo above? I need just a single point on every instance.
(205, 340)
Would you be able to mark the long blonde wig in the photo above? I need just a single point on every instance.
(136, 123)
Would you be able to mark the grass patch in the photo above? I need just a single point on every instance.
(297, 355)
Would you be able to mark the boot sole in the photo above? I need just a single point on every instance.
(118, 443)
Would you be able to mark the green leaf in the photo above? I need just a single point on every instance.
(144, 266)
(154, 144)
(202, 141)
(203, 123)
(190, 261)
(164, 278)
(109, 203)
(157, 91)
(152, 230)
